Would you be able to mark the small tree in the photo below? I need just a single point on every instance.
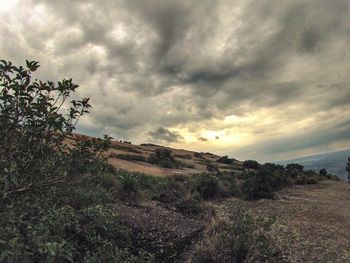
(34, 150)
(251, 164)
(323, 172)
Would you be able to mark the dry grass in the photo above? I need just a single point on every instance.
(312, 221)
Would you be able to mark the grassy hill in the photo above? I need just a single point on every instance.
(135, 158)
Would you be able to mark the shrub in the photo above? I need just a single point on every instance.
(228, 185)
(294, 169)
(163, 158)
(212, 168)
(34, 128)
(61, 234)
(190, 205)
(243, 238)
(206, 185)
(323, 172)
(251, 164)
(225, 160)
(130, 182)
(198, 155)
(304, 179)
(262, 184)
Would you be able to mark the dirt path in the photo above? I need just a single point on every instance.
(312, 222)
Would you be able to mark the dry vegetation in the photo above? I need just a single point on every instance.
(61, 201)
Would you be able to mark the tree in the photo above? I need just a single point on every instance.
(323, 172)
(34, 148)
(251, 164)
(293, 169)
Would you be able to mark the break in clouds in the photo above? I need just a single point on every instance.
(265, 79)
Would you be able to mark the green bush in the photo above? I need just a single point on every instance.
(164, 158)
(225, 160)
(251, 164)
(130, 182)
(228, 185)
(61, 234)
(206, 185)
(34, 129)
(212, 168)
(261, 184)
(294, 169)
(190, 205)
(243, 238)
(304, 179)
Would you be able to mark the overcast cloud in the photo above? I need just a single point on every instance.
(265, 79)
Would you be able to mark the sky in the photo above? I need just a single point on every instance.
(265, 80)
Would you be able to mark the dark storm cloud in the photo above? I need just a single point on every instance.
(186, 65)
(165, 135)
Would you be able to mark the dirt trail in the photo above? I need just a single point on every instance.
(312, 222)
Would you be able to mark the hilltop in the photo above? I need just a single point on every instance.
(135, 158)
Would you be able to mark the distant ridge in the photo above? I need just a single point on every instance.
(334, 162)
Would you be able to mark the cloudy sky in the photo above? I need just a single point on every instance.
(263, 80)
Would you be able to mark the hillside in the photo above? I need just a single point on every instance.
(134, 158)
(334, 162)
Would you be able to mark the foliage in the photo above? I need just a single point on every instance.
(212, 168)
(190, 205)
(61, 233)
(34, 127)
(164, 158)
(130, 182)
(294, 169)
(228, 185)
(251, 164)
(198, 155)
(225, 159)
(263, 183)
(206, 185)
(323, 172)
(51, 210)
(243, 238)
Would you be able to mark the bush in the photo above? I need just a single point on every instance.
(212, 168)
(190, 205)
(225, 160)
(294, 169)
(163, 158)
(198, 155)
(304, 179)
(251, 164)
(263, 183)
(34, 128)
(243, 238)
(206, 185)
(130, 183)
(130, 157)
(61, 234)
(228, 185)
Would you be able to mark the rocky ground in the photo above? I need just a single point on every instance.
(312, 224)
(312, 221)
